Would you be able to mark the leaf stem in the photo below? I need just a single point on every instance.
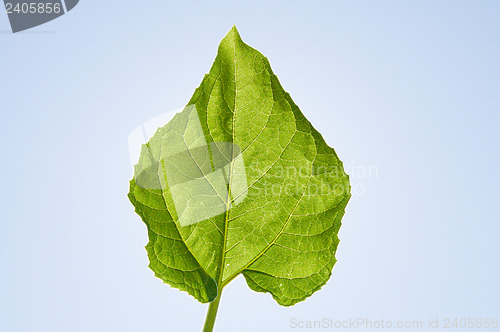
(212, 313)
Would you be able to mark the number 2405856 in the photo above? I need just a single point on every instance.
(33, 8)
(476, 323)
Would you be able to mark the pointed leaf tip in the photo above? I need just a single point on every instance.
(231, 43)
(233, 34)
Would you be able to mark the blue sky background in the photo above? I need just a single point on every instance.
(408, 88)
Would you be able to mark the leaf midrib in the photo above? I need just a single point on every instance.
(220, 286)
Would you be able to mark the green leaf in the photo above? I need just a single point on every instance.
(241, 183)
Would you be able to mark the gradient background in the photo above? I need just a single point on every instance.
(409, 88)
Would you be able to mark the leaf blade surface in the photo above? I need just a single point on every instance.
(283, 192)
